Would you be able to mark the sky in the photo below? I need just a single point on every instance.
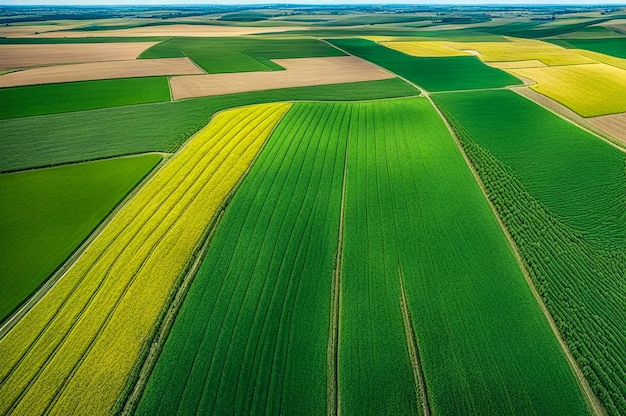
(247, 2)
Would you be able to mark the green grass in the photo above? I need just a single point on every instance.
(414, 212)
(433, 74)
(253, 332)
(59, 138)
(251, 337)
(45, 215)
(78, 96)
(222, 55)
(561, 193)
(609, 46)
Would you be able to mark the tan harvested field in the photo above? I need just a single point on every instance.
(23, 56)
(26, 31)
(298, 72)
(100, 70)
(170, 30)
(614, 125)
(532, 63)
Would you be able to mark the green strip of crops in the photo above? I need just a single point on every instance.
(253, 332)
(61, 138)
(251, 336)
(608, 46)
(223, 55)
(433, 74)
(45, 215)
(414, 212)
(36, 100)
(578, 265)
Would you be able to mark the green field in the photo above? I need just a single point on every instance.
(253, 332)
(221, 55)
(60, 138)
(433, 74)
(565, 218)
(46, 214)
(251, 337)
(608, 46)
(78, 96)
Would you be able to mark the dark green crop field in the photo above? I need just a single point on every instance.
(576, 257)
(608, 46)
(220, 55)
(46, 214)
(433, 74)
(418, 277)
(78, 96)
(60, 138)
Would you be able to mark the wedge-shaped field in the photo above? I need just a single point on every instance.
(425, 48)
(239, 54)
(561, 193)
(433, 74)
(609, 46)
(78, 96)
(22, 56)
(252, 335)
(589, 90)
(298, 72)
(87, 332)
(58, 138)
(100, 70)
(278, 320)
(421, 241)
(45, 215)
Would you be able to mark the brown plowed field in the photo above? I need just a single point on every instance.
(169, 30)
(100, 70)
(298, 72)
(23, 56)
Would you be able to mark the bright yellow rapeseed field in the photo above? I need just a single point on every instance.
(589, 90)
(87, 332)
(426, 48)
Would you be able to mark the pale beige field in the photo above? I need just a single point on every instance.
(26, 31)
(170, 30)
(100, 70)
(23, 56)
(614, 125)
(298, 72)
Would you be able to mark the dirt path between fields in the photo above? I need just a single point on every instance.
(49, 283)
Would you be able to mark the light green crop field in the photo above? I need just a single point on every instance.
(77, 96)
(61, 138)
(253, 335)
(46, 214)
(221, 55)
(561, 193)
(433, 74)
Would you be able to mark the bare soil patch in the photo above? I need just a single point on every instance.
(100, 70)
(614, 125)
(22, 56)
(298, 73)
(169, 30)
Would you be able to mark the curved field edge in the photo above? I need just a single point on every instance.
(231, 347)
(87, 332)
(60, 138)
(578, 280)
(46, 214)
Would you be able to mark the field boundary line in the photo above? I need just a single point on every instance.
(25, 307)
(332, 404)
(414, 355)
(129, 400)
(576, 119)
(593, 403)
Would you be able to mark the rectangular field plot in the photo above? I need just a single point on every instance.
(45, 215)
(79, 96)
(424, 282)
(446, 73)
(561, 193)
(87, 332)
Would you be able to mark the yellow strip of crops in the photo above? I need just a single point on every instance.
(74, 351)
(426, 48)
(589, 90)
